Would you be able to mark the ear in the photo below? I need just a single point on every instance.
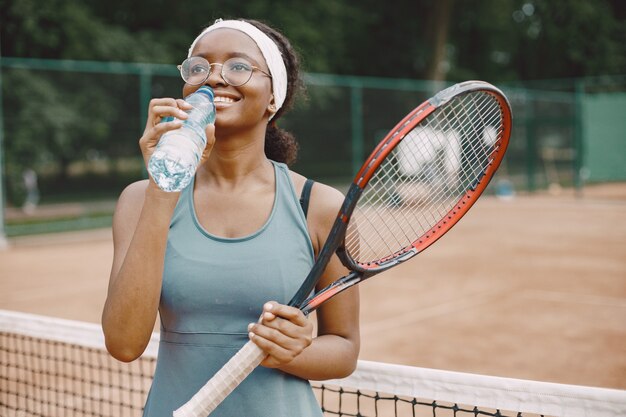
(272, 106)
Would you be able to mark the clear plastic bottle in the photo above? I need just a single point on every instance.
(176, 157)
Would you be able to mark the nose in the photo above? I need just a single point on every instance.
(215, 76)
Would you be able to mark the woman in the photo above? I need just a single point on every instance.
(233, 246)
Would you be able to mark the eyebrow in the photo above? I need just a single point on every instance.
(233, 55)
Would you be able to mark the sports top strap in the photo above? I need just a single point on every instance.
(306, 195)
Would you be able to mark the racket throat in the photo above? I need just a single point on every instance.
(334, 240)
(342, 284)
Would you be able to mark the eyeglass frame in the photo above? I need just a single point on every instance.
(180, 69)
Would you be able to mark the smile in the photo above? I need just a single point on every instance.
(222, 99)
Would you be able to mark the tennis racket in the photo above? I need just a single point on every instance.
(418, 183)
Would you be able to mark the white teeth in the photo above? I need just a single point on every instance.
(220, 99)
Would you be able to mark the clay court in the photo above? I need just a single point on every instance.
(532, 288)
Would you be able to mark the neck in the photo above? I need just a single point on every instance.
(235, 159)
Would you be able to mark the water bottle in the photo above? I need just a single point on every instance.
(177, 155)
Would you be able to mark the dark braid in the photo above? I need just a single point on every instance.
(280, 145)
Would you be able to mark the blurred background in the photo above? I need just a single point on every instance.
(76, 78)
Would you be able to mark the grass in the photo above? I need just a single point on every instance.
(35, 226)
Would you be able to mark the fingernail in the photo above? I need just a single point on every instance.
(268, 315)
(268, 306)
(250, 326)
(250, 335)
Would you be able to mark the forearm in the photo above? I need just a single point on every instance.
(327, 357)
(132, 302)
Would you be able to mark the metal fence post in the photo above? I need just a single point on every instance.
(531, 142)
(3, 240)
(145, 95)
(579, 143)
(356, 113)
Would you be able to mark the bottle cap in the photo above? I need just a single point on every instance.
(205, 89)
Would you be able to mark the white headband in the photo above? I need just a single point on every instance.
(268, 48)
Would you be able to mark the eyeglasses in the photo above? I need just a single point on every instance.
(235, 71)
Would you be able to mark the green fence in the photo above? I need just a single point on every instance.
(604, 134)
(74, 126)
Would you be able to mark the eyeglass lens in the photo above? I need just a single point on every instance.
(235, 71)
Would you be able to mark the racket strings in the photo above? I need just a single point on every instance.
(424, 178)
(477, 152)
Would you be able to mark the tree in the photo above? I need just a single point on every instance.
(568, 38)
(493, 39)
(78, 116)
(534, 39)
(69, 29)
(439, 29)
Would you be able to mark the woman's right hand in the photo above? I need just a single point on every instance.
(158, 109)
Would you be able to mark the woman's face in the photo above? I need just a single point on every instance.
(242, 106)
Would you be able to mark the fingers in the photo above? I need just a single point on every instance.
(167, 110)
(160, 108)
(277, 356)
(273, 309)
(280, 349)
(283, 332)
(151, 136)
(164, 115)
(161, 128)
(182, 104)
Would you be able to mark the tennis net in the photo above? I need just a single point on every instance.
(52, 367)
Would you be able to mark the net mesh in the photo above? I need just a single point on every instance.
(356, 403)
(50, 378)
(53, 367)
(424, 178)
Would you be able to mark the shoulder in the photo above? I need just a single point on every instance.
(324, 198)
(129, 204)
(324, 205)
(133, 194)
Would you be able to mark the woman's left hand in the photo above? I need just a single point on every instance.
(283, 332)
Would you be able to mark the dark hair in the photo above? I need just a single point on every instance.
(280, 145)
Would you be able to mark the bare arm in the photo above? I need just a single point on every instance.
(285, 334)
(140, 228)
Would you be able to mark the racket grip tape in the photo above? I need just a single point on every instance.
(223, 382)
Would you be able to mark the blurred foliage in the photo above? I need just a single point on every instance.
(58, 119)
(491, 39)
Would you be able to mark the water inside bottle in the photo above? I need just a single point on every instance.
(170, 175)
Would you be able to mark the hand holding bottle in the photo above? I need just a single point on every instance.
(164, 114)
(183, 145)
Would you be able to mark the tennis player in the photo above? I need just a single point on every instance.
(219, 260)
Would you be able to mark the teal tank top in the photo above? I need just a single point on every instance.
(212, 288)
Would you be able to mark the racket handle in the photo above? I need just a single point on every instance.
(223, 382)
